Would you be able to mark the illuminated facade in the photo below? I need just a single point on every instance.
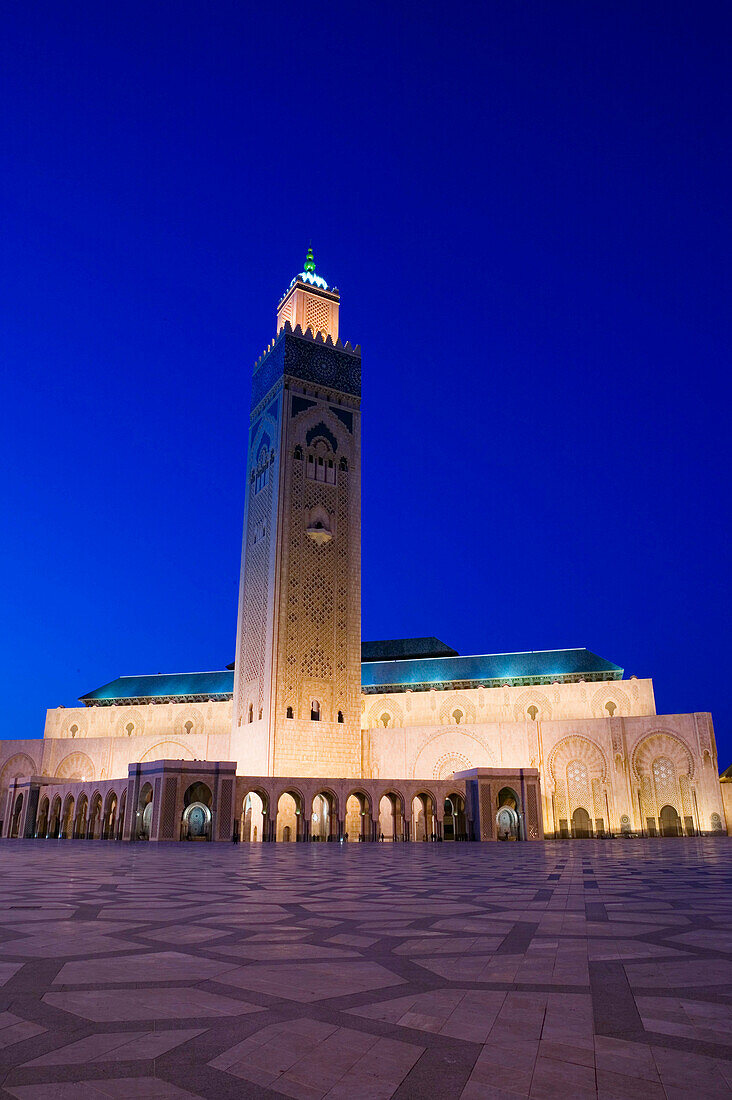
(312, 733)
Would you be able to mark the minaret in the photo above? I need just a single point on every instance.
(297, 686)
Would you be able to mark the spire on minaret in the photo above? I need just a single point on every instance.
(309, 302)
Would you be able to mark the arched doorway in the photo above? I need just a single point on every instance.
(95, 817)
(67, 826)
(42, 820)
(121, 816)
(144, 813)
(288, 826)
(54, 825)
(17, 811)
(508, 819)
(670, 822)
(197, 817)
(110, 816)
(391, 816)
(357, 825)
(455, 823)
(581, 824)
(254, 817)
(324, 817)
(423, 816)
(82, 806)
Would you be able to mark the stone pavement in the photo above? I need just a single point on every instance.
(580, 968)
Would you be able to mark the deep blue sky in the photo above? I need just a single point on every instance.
(526, 208)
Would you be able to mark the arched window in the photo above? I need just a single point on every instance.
(321, 463)
(343, 465)
(340, 715)
(457, 715)
(251, 712)
(260, 714)
(385, 719)
(189, 726)
(314, 711)
(74, 731)
(532, 712)
(289, 712)
(129, 727)
(261, 472)
(298, 452)
(611, 707)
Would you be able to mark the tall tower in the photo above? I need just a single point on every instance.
(297, 686)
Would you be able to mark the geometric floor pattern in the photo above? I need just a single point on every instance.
(558, 969)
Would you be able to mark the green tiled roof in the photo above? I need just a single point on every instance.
(491, 669)
(207, 685)
(404, 649)
(417, 674)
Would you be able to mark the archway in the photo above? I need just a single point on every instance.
(508, 820)
(197, 817)
(82, 805)
(254, 817)
(54, 825)
(455, 826)
(357, 825)
(121, 815)
(288, 826)
(143, 820)
(95, 817)
(423, 816)
(324, 817)
(670, 822)
(391, 816)
(110, 816)
(581, 824)
(15, 821)
(67, 825)
(42, 820)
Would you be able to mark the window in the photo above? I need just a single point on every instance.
(261, 477)
(298, 452)
(251, 712)
(189, 726)
(74, 731)
(315, 711)
(260, 474)
(321, 464)
(343, 465)
(532, 712)
(611, 707)
(340, 715)
(289, 712)
(130, 726)
(260, 714)
(385, 719)
(457, 715)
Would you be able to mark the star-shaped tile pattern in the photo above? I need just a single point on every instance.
(584, 968)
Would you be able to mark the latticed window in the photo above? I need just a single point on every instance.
(664, 779)
(578, 784)
(317, 316)
(576, 772)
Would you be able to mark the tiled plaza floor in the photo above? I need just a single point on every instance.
(572, 969)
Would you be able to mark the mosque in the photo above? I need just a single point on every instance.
(312, 734)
